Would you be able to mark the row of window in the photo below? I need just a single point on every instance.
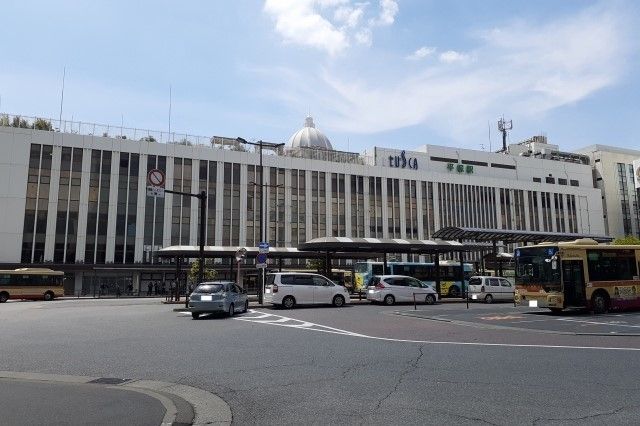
(561, 181)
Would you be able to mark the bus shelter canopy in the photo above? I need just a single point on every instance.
(511, 235)
(274, 252)
(387, 245)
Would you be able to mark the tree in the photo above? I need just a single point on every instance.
(42, 124)
(209, 272)
(19, 122)
(4, 120)
(627, 240)
(315, 264)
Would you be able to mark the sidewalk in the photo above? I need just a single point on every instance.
(105, 401)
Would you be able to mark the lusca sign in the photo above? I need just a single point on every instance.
(155, 183)
(401, 161)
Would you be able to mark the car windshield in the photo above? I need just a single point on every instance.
(535, 267)
(475, 281)
(209, 288)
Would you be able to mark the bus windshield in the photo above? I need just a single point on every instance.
(534, 266)
(361, 267)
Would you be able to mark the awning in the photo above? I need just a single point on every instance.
(511, 236)
(387, 245)
(274, 252)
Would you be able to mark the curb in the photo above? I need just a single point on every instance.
(184, 405)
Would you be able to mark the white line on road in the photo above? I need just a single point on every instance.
(611, 323)
(326, 329)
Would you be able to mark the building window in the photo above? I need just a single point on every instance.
(559, 205)
(503, 166)
(98, 206)
(181, 204)
(393, 207)
(126, 212)
(535, 179)
(337, 205)
(375, 207)
(36, 205)
(533, 211)
(549, 180)
(410, 209)
(574, 182)
(357, 206)
(562, 181)
(276, 207)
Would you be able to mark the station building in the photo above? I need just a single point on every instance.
(74, 197)
(614, 174)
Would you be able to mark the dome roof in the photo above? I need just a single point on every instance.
(309, 137)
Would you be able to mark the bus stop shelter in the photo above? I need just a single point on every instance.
(330, 246)
(509, 236)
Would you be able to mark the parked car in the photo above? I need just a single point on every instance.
(490, 289)
(218, 297)
(389, 289)
(288, 289)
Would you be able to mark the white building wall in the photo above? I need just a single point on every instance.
(13, 175)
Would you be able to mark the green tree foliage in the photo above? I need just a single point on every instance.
(315, 264)
(209, 272)
(626, 241)
(42, 124)
(19, 122)
(4, 120)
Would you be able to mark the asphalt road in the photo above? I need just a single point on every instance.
(361, 364)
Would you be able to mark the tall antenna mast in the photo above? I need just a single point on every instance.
(503, 126)
(64, 74)
(169, 111)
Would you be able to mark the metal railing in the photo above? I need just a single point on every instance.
(156, 136)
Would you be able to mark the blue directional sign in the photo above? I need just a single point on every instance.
(261, 260)
(263, 247)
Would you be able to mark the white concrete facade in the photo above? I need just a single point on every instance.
(614, 175)
(452, 187)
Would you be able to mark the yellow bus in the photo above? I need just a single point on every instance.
(30, 283)
(578, 274)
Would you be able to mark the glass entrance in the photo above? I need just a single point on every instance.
(573, 283)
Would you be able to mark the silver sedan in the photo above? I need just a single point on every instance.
(218, 297)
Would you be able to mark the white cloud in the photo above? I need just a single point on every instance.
(451, 56)
(526, 68)
(328, 25)
(421, 53)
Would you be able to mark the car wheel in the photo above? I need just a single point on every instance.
(232, 310)
(4, 296)
(288, 302)
(389, 300)
(195, 315)
(488, 298)
(338, 301)
(48, 296)
(430, 299)
(454, 291)
(246, 306)
(600, 303)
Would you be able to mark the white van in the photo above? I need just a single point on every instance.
(489, 289)
(288, 289)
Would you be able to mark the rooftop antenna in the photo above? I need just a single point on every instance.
(169, 111)
(503, 126)
(489, 126)
(64, 74)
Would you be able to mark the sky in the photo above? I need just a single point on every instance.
(389, 73)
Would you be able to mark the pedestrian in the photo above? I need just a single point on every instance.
(130, 289)
(117, 290)
(149, 285)
(155, 288)
(164, 287)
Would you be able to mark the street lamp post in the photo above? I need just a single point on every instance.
(260, 144)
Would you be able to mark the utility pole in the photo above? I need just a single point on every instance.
(503, 126)
(274, 146)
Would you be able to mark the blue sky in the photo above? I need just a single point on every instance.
(387, 73)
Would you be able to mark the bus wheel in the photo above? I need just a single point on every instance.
(4, 296)
(600, 303)
(48, 296)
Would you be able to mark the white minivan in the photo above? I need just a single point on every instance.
(288, 289)
(489, 289)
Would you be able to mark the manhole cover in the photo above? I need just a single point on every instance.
(109, 381)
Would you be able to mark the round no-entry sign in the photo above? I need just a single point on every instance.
(156, 178)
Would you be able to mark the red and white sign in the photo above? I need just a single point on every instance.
(156, 178)
(155, 183)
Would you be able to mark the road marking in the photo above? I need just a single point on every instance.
(277, 320)
(612, 323)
